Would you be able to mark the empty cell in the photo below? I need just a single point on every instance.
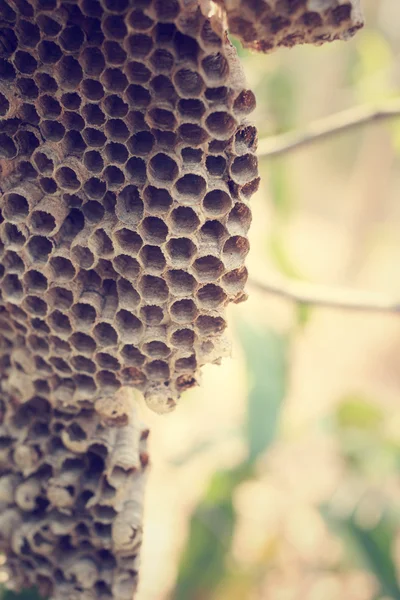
(114, 80)
(129, 208)
(156, 349)
(163, 168)
(92, 89)
(221, 125)
(8, 148)
(126, 266)
(216, 165)
(72, 38)
(107, 361)
(188, 364)
(42, 222)
(93, 161)
(7, 71)
(69, 73)
(211, 296)
(61, 365)
(46, 83)
(109, 383)
(116, 152)
(217, 203)
(49, 52)
(186, 47)
(183, 339)
(67, 179)
(25, 63)
(138, 72)
(13, 263)
(83, 257)
(244, 168)
(13, 237)
(38, 344)
(137, 96)
(191, 187)
(189, 83)
(127, 294)
(28, 33)
(12, 288)
(9, 42)
(163, 89)
(101, 244)
(158, 370)
(28, 114)
(73, 120)
(181, 251)
(135, 170)
(114, 177)
(49, 26)
(166, 10)
(215, 67)
(128, 240)
(52, 130)
(34, 281)
(114, 53)
(105, 334)
(154, 230)
(181, 283)
(94, 137)
(114, 27)
(192, 108)
(95, 188)
(59, 297)
(4, 105)
(27, 142)
(160, 118)
(207, 325)
(84, 315)
(157, 200)
(152, 314)
(191, 156)
(116, 130)
(114, 106)
(162, 60)
(235, 280)
(93, 114)
(154, 289)
(26, 170)
(239, 219)
(245, 103)
(129, 327)
(43, 163)
(39, 248)
(153, 259)
(246, 140)
(62, 268)
(59, 322)
(235, 251)
(139, 45)
(15, 208)
(83, 343)
(208, 268)
(213, 233)
(141, 143)
(184, 311)
(92, 8)
(74, 143)
(27, 88)
(35, 306)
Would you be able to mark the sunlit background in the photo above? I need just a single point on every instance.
(278, 478)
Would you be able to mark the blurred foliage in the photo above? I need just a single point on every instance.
(31, 594)
(207, 561)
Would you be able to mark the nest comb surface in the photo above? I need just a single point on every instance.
(267, 24)
(127, 164)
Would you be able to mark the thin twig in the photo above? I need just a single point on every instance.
(325, 128)
(329, 297)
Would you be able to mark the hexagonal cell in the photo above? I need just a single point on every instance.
(116, 152)
(129, 208)
(126, 266)
(83, 343)
(62, 268)
(183, 339)
(67, 179)
(221, 125)
(211, 296)
(59, 323)
(154, 230)
(157, 200)
(163, 168)
(129, 326)
(235, 251)
(8, 149)
(93, 114)
(191, 187)
(235, 280)
(189, 83)
(152, 314)
(93, 161)
(208, 268)
(15, 208)
(184, 311)
(181, 251)
(153, 259)
(158, 370)
(244, 168)
(35, 306)
(84, 315)
(181, 283)
(83, 257)
(59, 297)
(39, 248)
(34, 281)
(217, 203)
(153, 289)
(12, 288)
(92, 61)
(239, 220)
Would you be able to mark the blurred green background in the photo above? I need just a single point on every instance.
(277, 479)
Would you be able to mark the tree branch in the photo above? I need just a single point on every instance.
(329, 297)
(325, 128)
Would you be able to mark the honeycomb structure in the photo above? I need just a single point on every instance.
(127, 163)
(127, 168)
(267, 24)
(71, 500)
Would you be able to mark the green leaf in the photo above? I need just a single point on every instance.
(267, 363)
(355, 412)
(28, 594)
(371, 545)
(204, 561)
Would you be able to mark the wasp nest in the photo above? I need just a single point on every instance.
(70, 500)
(127, 164)
(266, 24)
